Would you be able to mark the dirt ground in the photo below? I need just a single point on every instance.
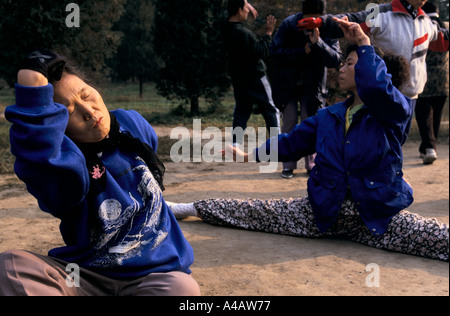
(231, 262)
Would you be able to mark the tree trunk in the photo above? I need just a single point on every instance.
(194, 106)
(141, 87)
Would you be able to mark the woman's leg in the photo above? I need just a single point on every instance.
(24, 273)
(412, 234)
(173, 283)
(292, 217)
(407, 233)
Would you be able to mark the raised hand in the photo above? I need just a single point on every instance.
(49, 64)
(270, 24)
(253, 11)
(353, 32)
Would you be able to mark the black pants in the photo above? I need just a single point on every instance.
(246, 94)
(428, 117)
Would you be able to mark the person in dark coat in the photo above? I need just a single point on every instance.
(301, 59)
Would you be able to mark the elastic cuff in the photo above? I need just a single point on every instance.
(34, 96)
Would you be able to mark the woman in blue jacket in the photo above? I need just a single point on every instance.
(97, 171)
(356, 187)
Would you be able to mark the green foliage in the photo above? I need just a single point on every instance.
(29, 24)
(24, 26)
(95, 41)
(135, 57)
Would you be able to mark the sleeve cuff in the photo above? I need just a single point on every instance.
(34, 96)
(365, 49)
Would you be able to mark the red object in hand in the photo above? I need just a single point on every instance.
(309, 23)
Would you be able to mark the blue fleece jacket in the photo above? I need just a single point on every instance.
(127, 231)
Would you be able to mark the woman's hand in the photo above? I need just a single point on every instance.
(314, 36)
(40, 67)
(236, 153)
(353, 32)
(31, 78)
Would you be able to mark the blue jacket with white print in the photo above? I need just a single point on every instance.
(127, 231)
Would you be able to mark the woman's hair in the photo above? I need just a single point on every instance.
(73, 68)
(234, 6)
(396, 65)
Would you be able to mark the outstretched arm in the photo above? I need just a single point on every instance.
(237, 154)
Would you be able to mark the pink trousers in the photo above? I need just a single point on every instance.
(27, 274)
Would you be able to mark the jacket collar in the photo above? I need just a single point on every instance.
(397, 6)
(339, 109)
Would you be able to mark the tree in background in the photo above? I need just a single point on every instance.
(176, 43)
(29, 24)
(187, 40)
(24, 26)
(95, 41)
(135, 58)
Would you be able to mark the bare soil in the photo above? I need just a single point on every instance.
(234, 262)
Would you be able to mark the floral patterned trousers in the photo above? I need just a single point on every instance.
(407, 232)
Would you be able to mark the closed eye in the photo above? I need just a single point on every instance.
(85, 93)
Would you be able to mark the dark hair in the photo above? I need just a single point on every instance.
(429, 7)
(396, 65)
(234, 6)
(314, 6)
(73, 68)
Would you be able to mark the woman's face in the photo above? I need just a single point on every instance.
(347, 73)
(89, 120)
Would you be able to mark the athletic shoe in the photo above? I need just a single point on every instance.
(287, 174)
(430, 156)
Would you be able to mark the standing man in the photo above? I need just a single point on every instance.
(247, 67)
(301, 59)
(432, 101)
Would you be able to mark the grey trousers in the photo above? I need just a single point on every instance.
(290, 119)
(24, 273)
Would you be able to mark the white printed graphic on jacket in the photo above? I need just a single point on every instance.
(127, 231)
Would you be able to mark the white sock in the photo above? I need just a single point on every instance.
(182, 210)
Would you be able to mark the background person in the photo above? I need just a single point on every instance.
(300, 72)
(248, 70)
(432, 100)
